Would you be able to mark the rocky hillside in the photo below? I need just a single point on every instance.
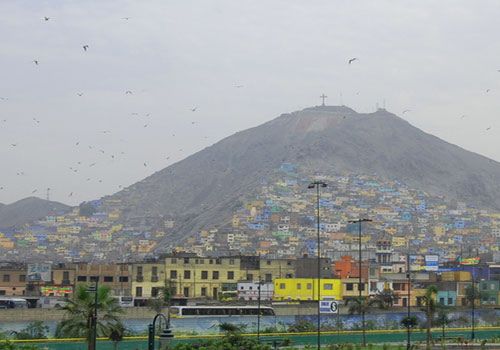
(27, 210)
(203, 189)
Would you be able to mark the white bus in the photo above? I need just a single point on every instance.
(13, 303)
(219, 311)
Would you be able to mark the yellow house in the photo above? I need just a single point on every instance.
(147, 279)
(306, 289)
(192, 276)
(350, 288)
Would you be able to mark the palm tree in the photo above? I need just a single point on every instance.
(116, 335)
(430, 306)
(386, 297)
(79, 312)
(362, 305)
(443, 320)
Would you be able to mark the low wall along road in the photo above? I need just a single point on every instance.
(297, 339)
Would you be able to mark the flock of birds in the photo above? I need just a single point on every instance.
(86, 47)
(75, 169)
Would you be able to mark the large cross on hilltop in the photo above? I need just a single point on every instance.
(323, 99)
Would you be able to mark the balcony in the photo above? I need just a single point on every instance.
(139, 278)
(155, 278)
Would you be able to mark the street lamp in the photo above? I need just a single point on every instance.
(317, 185)
(359, 221)
(94, 289)
(165, 335)
(408, 278)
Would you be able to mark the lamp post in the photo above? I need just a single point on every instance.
(165, 335)
(473, 333)
(93, 340)
(317, 185)
(258, 309)
(359, 221)
(408, 279)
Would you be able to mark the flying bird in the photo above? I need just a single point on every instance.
(488, 128)
(126, 18)
(487, 90)
(35, 62)
(406, 111)
(34, 191)
(352, 60)
(80, 94)
(4, 98)
(462, 117)
(36, 120)
(128, 92)
(85, 47)
(146, 125)
(193, 109)
(91, 165)
(145, 164)
(76, 144)
(13, 144)
(238, 86)
(46, 18)
(71, 194)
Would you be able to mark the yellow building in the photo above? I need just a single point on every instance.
(147, 279)
(350, 288)
(306, 289)
(196, 277)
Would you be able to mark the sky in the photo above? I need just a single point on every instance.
(198, 71)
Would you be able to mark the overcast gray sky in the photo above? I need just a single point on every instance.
(435, 58)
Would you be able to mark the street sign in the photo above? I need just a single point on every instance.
(328, 306)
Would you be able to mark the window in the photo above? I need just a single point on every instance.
(187, 274)
(450, 301)
(362, 286)
(173, 274)
(289, 263)
(94, 278)
(211, 261)
(81, 278)
(441, 301)
(269, 277)
(215, 275)
(328, 286)
(6, 278)
(108, 278)
(349, 286)
(203, 291)
(186, 292)
(138, 291)
(155, 292)
(282, 286)
(186, 260)
(154, 270)
(218, 261)
(204, 275)
(230, 275)
(231, 261)
(309, 286)
(249, 276)
(268, 262)
(299, 286)
(22, 278)
(123, 279)
(65, 275)
(139, 270)
(173, 260)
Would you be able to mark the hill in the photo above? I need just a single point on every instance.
(27, 210)
(205, 188)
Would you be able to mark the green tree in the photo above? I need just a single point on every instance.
(79, 311)
(163, 299)
(409, 322)
(34, 330)
(473, 294)
(429, 308)
(443, 319)
(116, 334)
(362, 306)
(386, 297)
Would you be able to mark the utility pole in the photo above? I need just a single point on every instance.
(317, 185)
(408, 278)
(360, 284)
